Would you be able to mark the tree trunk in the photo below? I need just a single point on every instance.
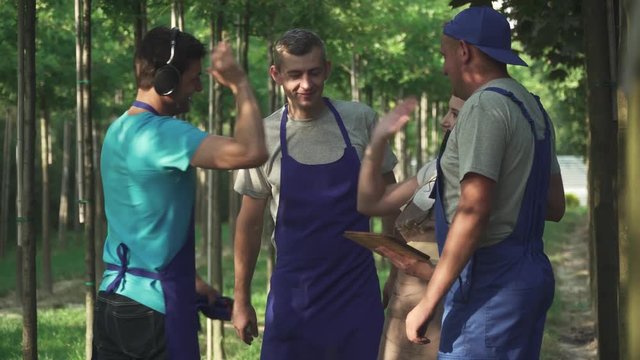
(602, 179)
(400, 141)
(419, 141)
(267, 228)
(631, 198)
(271, 85)
(140, 24)
(353, 77)
(435, 114)
(215, 330)
(83, 26)
(202, 212)
(368, 95)
(243, 46)
(47, 273)
(79, 122)
(100, 218)
(424, 128)
(633, 209)
(63, 212)
(20, 150)
(6, 185)
(27, 27)
(177, 14)
(243, 49)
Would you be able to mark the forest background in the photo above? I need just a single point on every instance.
(382, 50)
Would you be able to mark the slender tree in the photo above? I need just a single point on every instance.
(47, 273)
(421, 132)
(242, 41)
(20, 212)
(354, 72)
(6, 184)
(602, 178)
(215, 330)
(27, 26)
(100, 218)
(79, 121)
(140, 20)
(177, 14)
(268, 224)
(83, 27)
(63, 211)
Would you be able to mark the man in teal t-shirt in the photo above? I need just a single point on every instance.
(146, 306)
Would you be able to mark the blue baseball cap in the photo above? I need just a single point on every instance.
(486, 29)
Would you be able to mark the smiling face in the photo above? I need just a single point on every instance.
(302, 78)
(190, 83)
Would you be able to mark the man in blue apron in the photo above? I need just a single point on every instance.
(146, 306)
(324, 301)
(498, 182)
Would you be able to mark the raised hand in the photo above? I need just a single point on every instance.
(395, 120)
(224, 68)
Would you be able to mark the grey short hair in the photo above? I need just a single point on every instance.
(297, 42)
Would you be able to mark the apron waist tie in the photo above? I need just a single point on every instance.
(123, 251)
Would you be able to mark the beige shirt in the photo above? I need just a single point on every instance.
(310, 141)
(492, 138)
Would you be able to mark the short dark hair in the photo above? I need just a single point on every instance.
(297, 42)
(155, 49)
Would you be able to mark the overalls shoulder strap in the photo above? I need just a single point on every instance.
(524, 110)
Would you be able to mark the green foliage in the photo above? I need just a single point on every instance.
(8, 49)
(572, 201)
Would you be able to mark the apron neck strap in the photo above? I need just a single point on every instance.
(336, 115)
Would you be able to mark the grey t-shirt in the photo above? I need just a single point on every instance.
(309, 141)
(492, 138)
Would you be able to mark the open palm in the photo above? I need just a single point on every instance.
(396, 119)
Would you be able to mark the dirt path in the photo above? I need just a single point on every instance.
(576, 328)
(66, 293)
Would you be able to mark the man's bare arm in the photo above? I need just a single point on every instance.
(246, 250)
(555, 198)
(469, 222)
(247, 148)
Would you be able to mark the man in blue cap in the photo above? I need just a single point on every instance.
(498, 182)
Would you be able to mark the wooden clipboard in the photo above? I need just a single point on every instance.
(373, 241)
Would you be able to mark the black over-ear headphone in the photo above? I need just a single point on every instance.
(167, 77)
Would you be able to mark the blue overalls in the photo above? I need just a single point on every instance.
(497, 307)
(324, 301)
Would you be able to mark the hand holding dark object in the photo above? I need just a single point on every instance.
(219, 309)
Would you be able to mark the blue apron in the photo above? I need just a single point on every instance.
(178, 285)
(497, 307)
(324, 301)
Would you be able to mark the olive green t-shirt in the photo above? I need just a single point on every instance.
(493, 138)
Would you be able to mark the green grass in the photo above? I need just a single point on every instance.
(60, 334)
(67, 263)
(61, 331)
